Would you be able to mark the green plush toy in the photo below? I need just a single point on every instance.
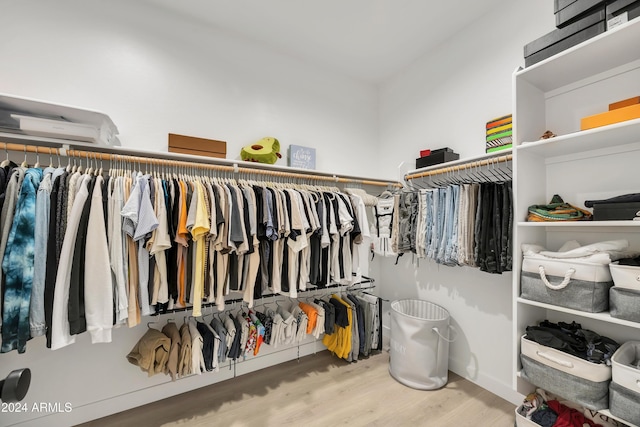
(267, 150)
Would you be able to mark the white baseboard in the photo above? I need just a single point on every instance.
(491, 384)
(156, 392)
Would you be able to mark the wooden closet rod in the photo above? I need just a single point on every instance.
(234, 168)
(485, 162)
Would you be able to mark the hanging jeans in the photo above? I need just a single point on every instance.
(41, 232)
(437, 218)
(446, 226)
(451, 249)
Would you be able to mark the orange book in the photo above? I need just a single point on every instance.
(610, 117)
(499, 121)
(624, 103)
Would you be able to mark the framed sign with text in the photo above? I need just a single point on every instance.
(302, 157)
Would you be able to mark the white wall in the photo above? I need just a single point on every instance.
(155, 73)
(445, 100)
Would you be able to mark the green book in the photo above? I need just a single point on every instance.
(502, 147)
(500, 135)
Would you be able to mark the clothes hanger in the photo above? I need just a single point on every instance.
(24, 163)
(494, 171)
(89, 170)
(37, 165)
(464, 175)
(74, 169)
(100, 171)
(205, 314)
(69, 169)
(6, 162)
(499, 168)
(150, 323)
(80, 169)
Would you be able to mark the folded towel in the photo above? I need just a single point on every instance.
(599, 253)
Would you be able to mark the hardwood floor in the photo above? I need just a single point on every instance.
(322, 390)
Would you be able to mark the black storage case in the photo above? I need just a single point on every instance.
(618, 7)
(441, 155)
(615, 211)
(574, 10)
(561, 39)
(561, 4)
(560, 34)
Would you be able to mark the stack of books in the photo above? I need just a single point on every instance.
(627, 109)
(499, 134)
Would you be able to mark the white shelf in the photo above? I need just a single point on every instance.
(601, 53)
(604, 316)
(466, 160)
(621, 135)
(581, 224)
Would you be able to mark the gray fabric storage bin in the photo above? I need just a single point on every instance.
(591, 395)
(589, 296)
(624, 403)
(624, 304)
(419, 354)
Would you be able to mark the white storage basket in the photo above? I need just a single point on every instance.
(625, 276)
(624, 372)
(596, 372)
(573, 284)
(566, 376)
(523, 421)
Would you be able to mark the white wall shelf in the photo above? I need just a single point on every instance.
(623, 135)
(602, 53)
(582, 224)
(604, 316)
(464, 161)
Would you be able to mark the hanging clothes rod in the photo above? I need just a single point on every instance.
(346, 288)
(162, 159)
(460, 167)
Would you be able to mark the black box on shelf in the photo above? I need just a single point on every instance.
(558, 5)
(441, 155)
(570, 40)
(560, 34)
(615, 211)
(617, 8)
(575, 10)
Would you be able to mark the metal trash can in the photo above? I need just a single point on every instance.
(419, 356)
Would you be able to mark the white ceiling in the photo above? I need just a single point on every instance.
(367, 39)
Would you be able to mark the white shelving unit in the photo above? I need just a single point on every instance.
(577, 165)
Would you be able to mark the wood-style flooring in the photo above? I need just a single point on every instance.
(322, 390)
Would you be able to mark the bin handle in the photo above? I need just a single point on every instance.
(555, 359)
(435, 329)
(561, 285)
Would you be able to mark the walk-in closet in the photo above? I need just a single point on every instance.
(275, 213)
